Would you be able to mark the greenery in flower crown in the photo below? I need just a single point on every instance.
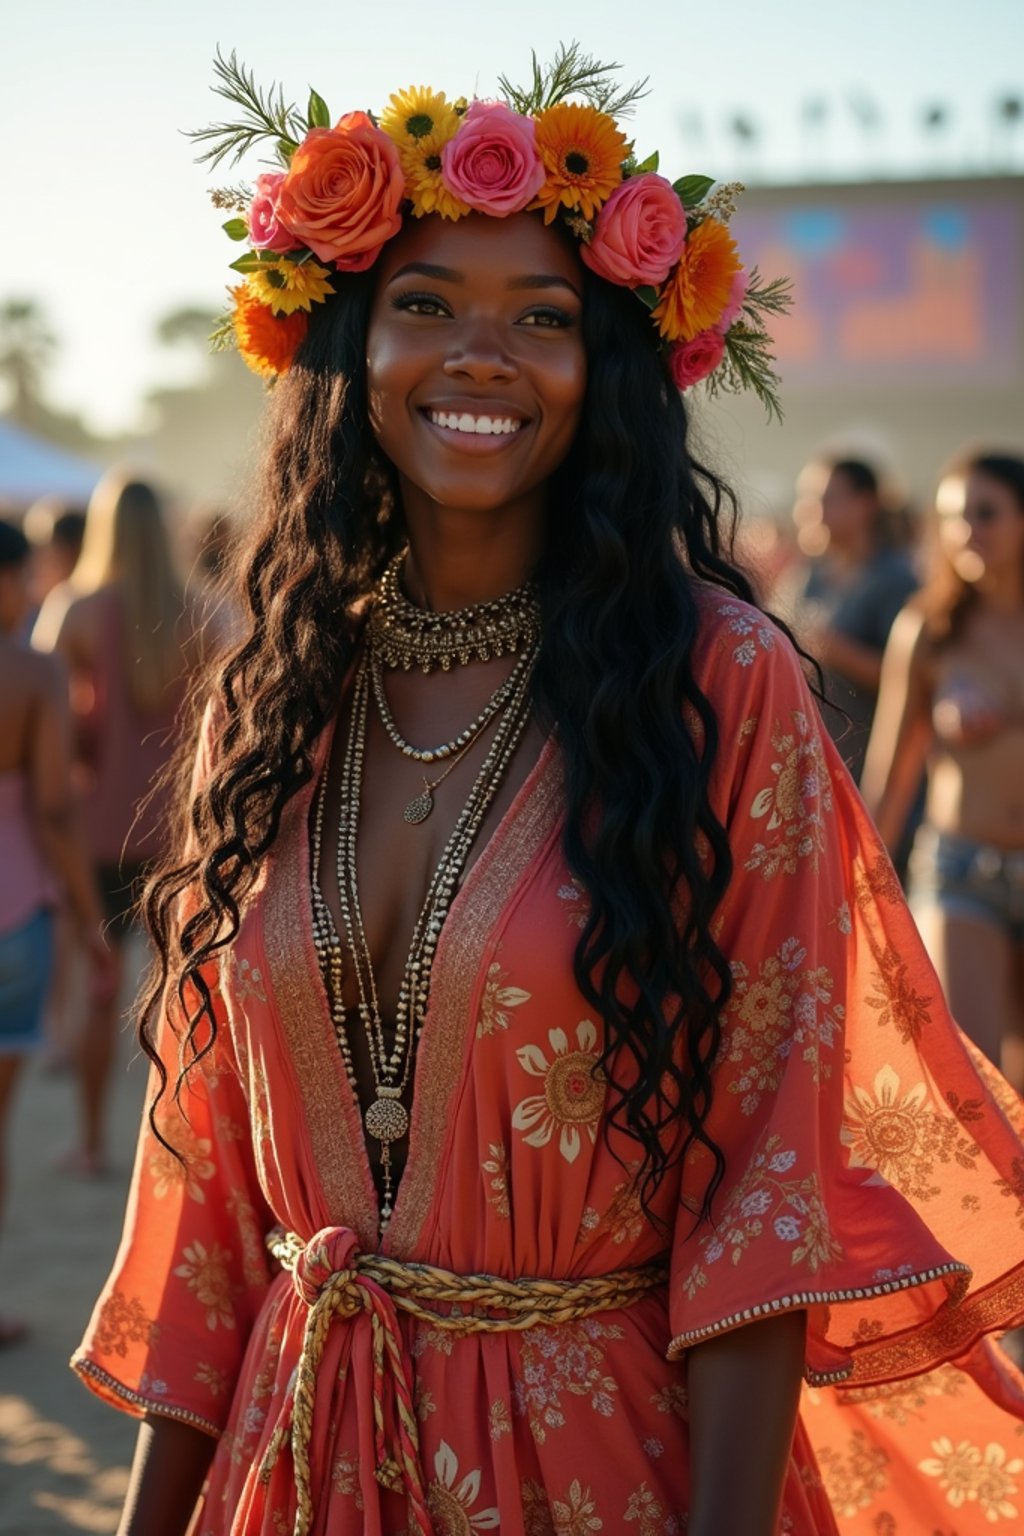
(563, 155)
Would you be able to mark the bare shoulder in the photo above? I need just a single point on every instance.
(68, 618)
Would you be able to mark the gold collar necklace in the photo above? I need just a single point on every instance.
(402, 635)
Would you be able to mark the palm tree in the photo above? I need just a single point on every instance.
(26, 347)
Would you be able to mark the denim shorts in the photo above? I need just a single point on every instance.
(26, 956)
(968, 879)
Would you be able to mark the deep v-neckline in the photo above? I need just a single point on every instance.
(403, 1226)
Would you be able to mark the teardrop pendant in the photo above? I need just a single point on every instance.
(418, 808)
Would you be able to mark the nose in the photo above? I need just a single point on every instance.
(478, 353)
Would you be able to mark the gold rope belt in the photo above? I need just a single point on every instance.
(335, 1279)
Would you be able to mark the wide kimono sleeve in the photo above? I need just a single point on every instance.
(874, 1174)
(170, 1328)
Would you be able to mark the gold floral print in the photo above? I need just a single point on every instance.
(345, 1478)
(536, 1509)
(254, 1262)
(1013, 1188)
(971, 1475)
(794, 805)
(567, 1360)
(497, 1166)
(195, 1167)
(785, 1013)
(901, 1136)
(671, 1398)
(895, 999)
(122, 1321)
(423, 1401)
(901, 1401)
(208, 1277)
(574, 1091)
(771, 1198)
(876, 881)
(644, 1508)
(212, 1377)
(499, 1419)
(497, 1000)
(624, 1219)
(248, 981)
(576, 1514)
(577, 906)
(754, 633)
(450, 1499)
(853, 1478)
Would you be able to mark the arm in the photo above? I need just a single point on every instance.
(902, 731)
(171, 1461)
(859, 663)
(744, 1389)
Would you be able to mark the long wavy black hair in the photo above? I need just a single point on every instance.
(638, 521)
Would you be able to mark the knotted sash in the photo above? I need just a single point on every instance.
(335, 1280)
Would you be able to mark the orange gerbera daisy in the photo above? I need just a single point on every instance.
(694, 297)
(266, 342)
(582, 150)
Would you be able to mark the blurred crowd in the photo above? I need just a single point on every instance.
(915, 618)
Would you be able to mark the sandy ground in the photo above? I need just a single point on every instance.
(64, 1456)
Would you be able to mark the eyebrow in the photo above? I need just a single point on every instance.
(450, 275)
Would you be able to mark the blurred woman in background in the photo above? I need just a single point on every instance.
(41, 852)
(953, 696)
(121, 624)
(859, 577)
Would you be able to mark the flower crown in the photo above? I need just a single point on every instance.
(340, 193)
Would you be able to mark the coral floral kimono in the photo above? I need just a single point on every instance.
(874, 1177)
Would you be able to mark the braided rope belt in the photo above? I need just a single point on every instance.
(335, 1279)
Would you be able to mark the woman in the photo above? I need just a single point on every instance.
(953, 697)
(501, 690)
(119, 622)
(853, 590)
(41, 853)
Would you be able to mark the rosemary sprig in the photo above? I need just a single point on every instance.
(573, 73)
(749, 360)
(264, 115)
(222, 337)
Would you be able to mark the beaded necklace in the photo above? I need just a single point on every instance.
(405, 636)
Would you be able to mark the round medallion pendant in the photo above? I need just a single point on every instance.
(419, 809)
(387, 1120)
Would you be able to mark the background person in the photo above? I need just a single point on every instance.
(120, 623)
(953, 698)
(42, 855)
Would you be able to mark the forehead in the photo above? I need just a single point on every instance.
(481, 248)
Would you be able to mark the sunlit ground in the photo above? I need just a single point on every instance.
(64, 1456)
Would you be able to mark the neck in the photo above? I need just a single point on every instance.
(457, 558)
(1003, 591)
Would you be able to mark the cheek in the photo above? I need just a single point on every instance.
(389, 376)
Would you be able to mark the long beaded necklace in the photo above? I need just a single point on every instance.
(386, 1118)
(405, 636)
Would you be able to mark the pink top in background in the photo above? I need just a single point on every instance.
(25, 881)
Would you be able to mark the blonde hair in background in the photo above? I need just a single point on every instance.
(126, 545)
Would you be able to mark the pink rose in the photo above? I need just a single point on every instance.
(737, 293)
(266, 232)
(342, 193)
(492, 162)
(691, 361)
(639, 234)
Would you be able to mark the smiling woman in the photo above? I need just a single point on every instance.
(546, 1070)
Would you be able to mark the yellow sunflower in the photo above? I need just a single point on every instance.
(582, 150)
(287, 285)
(419, 123)
(695, 295)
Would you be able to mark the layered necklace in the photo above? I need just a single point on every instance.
(399, 634)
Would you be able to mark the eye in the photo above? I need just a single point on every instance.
(420, 304)
(549, 318)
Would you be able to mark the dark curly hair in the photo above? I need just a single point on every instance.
(639, 521)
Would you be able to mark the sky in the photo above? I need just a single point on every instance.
(106, 220)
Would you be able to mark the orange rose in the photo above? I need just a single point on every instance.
(342, 193)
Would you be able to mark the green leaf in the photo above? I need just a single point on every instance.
(648, 296)
(285, 149)
(250, 262)
(650, 164)
(236, 229)
(317, 113)
(692, 190)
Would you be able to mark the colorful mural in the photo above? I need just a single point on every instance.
(921, 290)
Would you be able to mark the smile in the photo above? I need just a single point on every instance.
(482, 426)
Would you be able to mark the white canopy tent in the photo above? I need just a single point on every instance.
(30, 468)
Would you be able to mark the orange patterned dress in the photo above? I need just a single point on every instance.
(875, 1178)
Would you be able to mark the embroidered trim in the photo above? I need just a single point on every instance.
(331, 1113)
(92, 1373)
(848, 1371)
(458, 968)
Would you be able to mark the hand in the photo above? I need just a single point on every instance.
(103, 967)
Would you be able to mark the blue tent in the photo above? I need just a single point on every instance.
(30, 468)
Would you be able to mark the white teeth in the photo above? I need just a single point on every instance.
(484, 425)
